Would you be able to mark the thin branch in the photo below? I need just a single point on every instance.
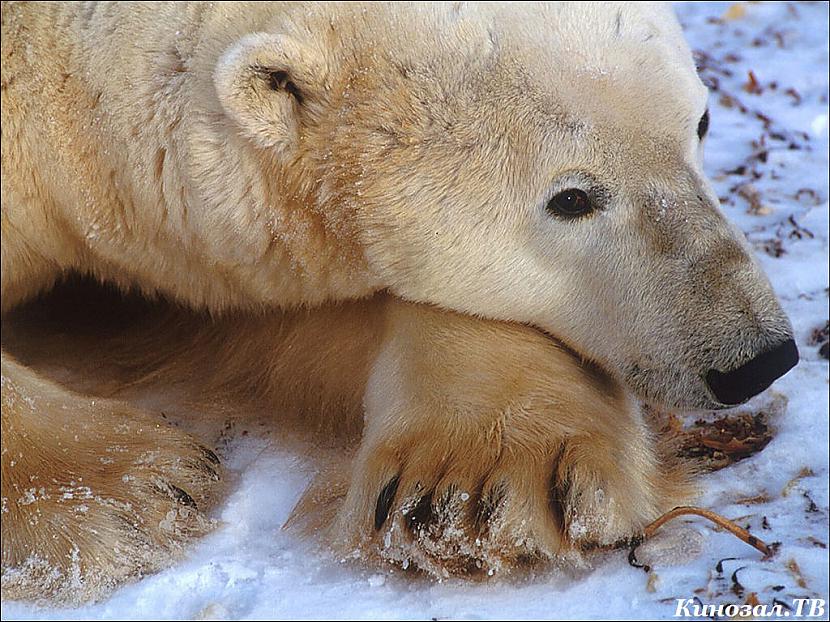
(719, 520)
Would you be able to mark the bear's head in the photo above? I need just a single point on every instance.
(533, 163)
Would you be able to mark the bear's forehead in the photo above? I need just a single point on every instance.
(570, 56)
(542, 66)
(582, 31)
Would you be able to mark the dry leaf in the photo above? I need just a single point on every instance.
(752, 601)
(727, 440)
(752, 85)
(736, 11)
(804, 472)
(816, 542)
(753, 197)
(792, 566)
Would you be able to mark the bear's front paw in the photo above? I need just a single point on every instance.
(489, 447)
(477, 503)
(90, 504)
(469, 504)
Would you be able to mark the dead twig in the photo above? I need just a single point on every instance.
(720, 521)
(687, 510)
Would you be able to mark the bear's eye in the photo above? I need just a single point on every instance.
(570, 203)
(703, 125)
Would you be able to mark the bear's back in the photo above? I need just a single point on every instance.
(114, 143)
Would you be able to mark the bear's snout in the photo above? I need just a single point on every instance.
(738, 385)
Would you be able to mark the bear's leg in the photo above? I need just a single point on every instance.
(489, 445)
(93, 491)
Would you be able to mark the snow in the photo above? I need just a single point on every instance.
(249, 568)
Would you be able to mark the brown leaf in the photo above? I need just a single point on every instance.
(752, 601)
(816, 542)
(794, 569)
(752, 85)
(788, 487)
(726, 440)
(753, 197)
(735, 11)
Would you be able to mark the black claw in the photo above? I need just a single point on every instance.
(385, 499)
(421, 514)
(210, 455)
(182, 497)
(559, 491)
(210, 461)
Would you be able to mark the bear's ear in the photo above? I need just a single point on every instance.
(264, 82)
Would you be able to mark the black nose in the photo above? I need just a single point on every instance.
(738, 385)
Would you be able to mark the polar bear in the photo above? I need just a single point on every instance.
(478, 234)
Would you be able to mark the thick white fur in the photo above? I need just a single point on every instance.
(285, 157)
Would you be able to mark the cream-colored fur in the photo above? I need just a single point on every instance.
(549, 453)
(374, 178)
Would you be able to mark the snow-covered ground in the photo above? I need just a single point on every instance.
(768, 155)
